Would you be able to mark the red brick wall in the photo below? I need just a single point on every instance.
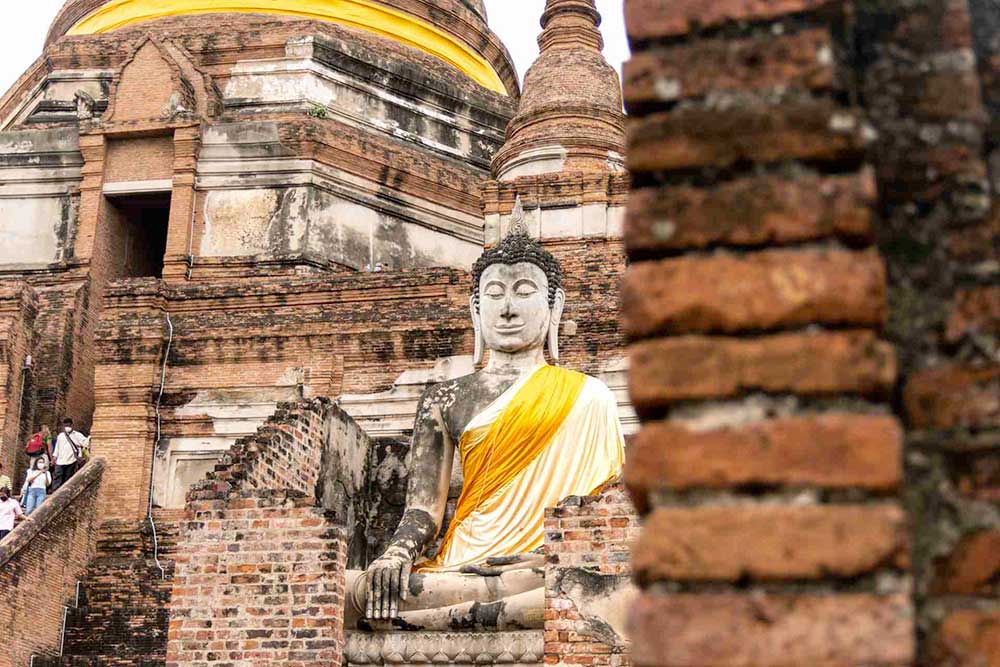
(140, 159)
(769, 467)
(588, 579)
(285, 453)
(18, 307)
(40, 564)
(259, 580)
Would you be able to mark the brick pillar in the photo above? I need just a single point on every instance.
(931, 83)
(129, 346)
(187, 143)
(18, 307)
(259, 581)
(769, 465)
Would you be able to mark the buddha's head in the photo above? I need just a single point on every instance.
(517, 298)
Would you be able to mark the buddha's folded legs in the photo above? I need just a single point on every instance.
(451, 601)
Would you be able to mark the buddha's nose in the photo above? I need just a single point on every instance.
(507, 313)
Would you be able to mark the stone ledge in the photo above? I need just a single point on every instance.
(445, 648)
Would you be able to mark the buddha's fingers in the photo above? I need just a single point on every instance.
(377, 595)
(405, 581)
(369, 594)
(387, 594)
(496, 566)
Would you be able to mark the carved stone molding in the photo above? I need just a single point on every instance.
(445, 648)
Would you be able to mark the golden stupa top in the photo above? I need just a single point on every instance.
(401, 22)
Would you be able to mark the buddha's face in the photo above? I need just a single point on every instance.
(514, 307)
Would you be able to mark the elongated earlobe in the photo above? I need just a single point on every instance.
(477, 356)
(554, 322)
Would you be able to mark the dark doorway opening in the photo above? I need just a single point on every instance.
(138, 231)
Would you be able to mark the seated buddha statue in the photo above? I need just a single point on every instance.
(528, 434)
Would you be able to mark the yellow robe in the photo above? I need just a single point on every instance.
(552, 435)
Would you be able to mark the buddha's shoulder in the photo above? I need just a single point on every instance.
(445, 393)
(595, 389)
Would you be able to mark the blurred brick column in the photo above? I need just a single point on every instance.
(769, 466)
(930, 78)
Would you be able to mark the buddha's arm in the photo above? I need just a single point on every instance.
(431, 458)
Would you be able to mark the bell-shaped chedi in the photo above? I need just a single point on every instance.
(454, 31)
(570, 117)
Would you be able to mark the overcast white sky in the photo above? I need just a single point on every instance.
(516, 21)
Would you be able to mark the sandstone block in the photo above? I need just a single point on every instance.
(759, 291)
(769, 542)
(751, 211)
(954, 396)
(830, 451)
(968, 638)
(691, 138)
(652, 19)
(802, 60)
(698, 367)
(774, 630)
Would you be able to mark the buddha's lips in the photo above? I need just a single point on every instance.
(510, 330)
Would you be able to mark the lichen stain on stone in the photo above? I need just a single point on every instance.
(603, 601)
(238, 222)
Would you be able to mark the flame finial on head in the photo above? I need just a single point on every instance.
(517, 225)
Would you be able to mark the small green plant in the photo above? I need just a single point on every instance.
(318, 111)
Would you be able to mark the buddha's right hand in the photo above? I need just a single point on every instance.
(387, 582)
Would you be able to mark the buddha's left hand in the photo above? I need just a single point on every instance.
(496, 566)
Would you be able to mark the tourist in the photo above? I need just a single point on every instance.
(10, 511)
(40, 446)
(69, 451)
(4, 479)
(36, 484)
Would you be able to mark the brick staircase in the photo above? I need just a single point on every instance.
(122, 608)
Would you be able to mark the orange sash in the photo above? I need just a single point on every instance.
(493, 456)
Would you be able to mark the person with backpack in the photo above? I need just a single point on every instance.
(40, 445)
(68, 453)
(36, 484)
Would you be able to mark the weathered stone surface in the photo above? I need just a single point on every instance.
(802, 60)
(447, 648)
(767, 290)
(691, 138)
(650, 19)
(692, 367)
(954, 396)
(729, 543)
(773, 630)
(752, 210)
(830, 451)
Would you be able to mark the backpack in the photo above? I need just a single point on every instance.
(36, 445)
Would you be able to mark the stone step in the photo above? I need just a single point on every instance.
(100, 661)
(118, 631)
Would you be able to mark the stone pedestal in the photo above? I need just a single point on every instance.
(460, 649)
